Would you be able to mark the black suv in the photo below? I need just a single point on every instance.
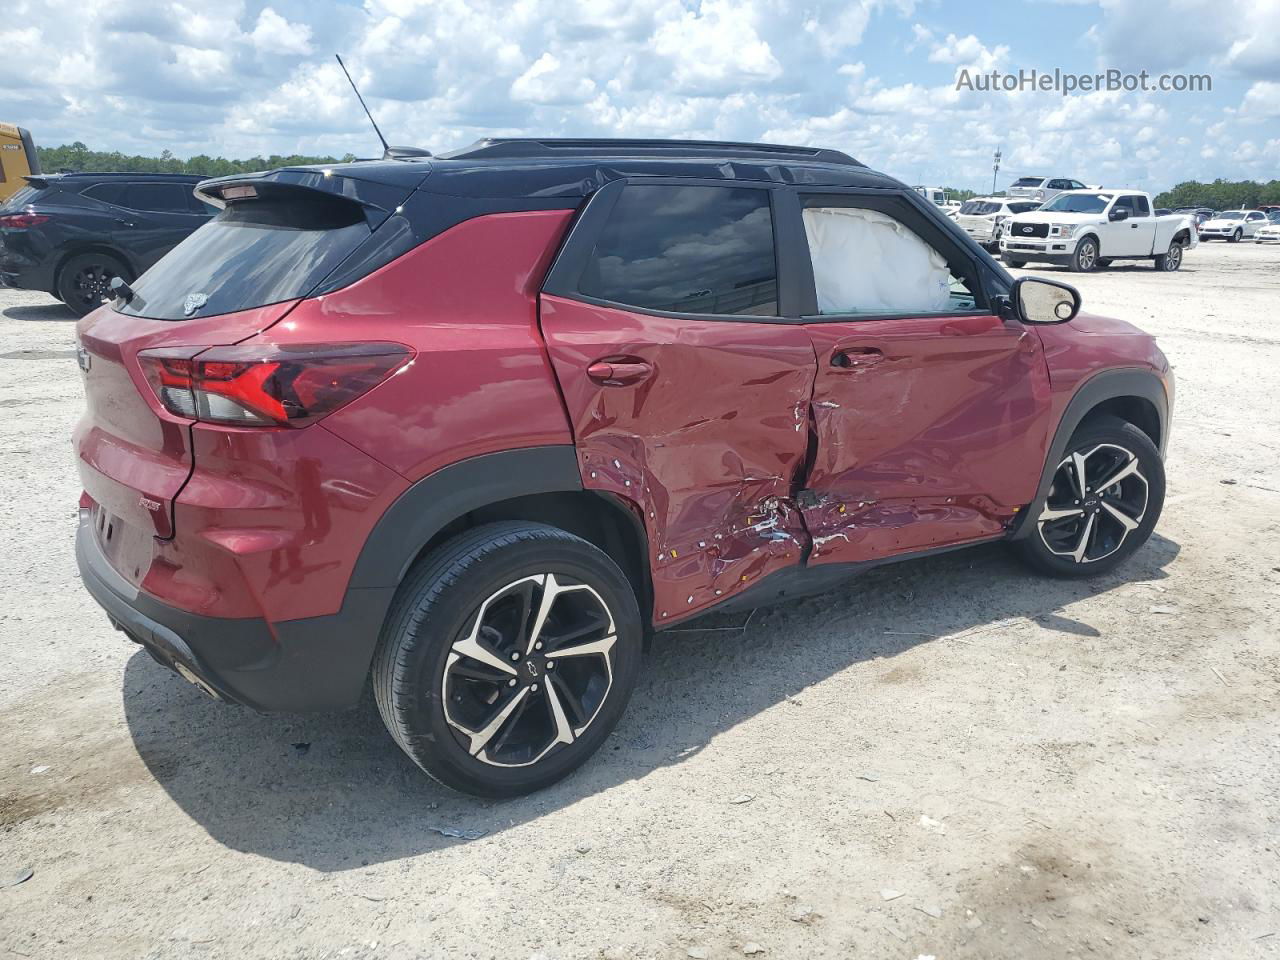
(70, 234)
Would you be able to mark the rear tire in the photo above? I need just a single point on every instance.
(84, 280)
(478, 685)
(1090, 531)
(1172, 260)
(1085, 257)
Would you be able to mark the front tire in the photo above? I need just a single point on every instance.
(1235, 237)
(508, 657)
(84, 280)
(1085, 257)
(1105, 499)
(1171, 260)
(1010, 261)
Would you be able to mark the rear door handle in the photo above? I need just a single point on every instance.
(619, 372)
(859, 357)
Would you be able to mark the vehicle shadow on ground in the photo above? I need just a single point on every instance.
(39, 311)
(334, 793)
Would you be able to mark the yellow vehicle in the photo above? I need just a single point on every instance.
(17, 159)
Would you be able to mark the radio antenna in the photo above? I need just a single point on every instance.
(385, 148)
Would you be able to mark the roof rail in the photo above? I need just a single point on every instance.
(497, 148)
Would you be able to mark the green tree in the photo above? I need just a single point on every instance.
(78, 157)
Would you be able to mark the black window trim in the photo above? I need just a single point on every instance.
(126, 184)
(797, 293)
(580, 241)
(903, 208)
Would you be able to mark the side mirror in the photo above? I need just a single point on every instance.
(120, 290)
(1118, 213)
(1036, 300)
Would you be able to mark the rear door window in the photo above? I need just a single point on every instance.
(112, 193)
(687, 249)
(155, 197)
(252, 254)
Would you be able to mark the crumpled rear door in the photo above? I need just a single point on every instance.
(703, 426)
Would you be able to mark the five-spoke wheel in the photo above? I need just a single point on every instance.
(1104, 498)
(508, 656)
(532, 672)
(1098, 498)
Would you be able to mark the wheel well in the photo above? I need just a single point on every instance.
(601, 519)
(91, 248)
(1139, 411)
(1183, 237)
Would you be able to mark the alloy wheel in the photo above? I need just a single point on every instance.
(93, 283)
(532, 671)
(1174, 257)
(1098, 497)
(1088, 255)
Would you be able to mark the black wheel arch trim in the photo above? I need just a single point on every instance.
(439, 498)
(1142, 383)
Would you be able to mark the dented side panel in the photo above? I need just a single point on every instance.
(708, 444)
(933, 433)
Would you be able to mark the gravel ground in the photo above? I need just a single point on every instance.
(949, 758)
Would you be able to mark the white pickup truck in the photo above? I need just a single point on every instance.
(1087, 229)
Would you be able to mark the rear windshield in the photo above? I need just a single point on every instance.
(1028, 181)
(252, 254)
(24, 196)
(979, 208)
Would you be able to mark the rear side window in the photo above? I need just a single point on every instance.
(25, 195)
(155, 197)
(252, 254)
(106, 192)
(695, 249)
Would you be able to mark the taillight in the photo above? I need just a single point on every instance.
(268, 385)
(21, 221)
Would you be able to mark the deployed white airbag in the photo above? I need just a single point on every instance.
(867, 262)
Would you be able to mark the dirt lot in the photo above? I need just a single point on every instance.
(950, 758)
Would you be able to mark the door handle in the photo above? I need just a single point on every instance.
(619, 372)
(859, 357)
(124, 223)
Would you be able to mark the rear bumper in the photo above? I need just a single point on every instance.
(19, 275)
(295, 666)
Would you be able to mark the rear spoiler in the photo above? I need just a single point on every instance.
(37, 180)
(378, 198)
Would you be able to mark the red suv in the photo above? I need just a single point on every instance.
(469, 427)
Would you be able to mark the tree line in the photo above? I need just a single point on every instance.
(1221, 194)
(77, 156)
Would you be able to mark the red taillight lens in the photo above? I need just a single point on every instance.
(21, 221)
(268, 385)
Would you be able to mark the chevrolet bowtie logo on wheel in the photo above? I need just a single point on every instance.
(531, 667)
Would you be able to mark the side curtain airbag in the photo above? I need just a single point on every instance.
(867, 262)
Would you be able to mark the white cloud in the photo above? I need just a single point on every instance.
(1262, 100)
(275, 34)
(715, 49)
(547, 81)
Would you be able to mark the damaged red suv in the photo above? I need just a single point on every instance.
(468, 427)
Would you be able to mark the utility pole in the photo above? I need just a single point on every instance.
(995, 168)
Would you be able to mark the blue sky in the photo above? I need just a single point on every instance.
(873, 77)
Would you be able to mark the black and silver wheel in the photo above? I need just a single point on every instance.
(1105, 498)
(1235, 237)
(508, 657)
(1085, 258)
(84, 281)
(1172, 259)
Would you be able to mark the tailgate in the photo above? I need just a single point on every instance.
(133, 455)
